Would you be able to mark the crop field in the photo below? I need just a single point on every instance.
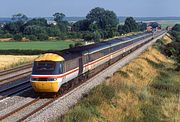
(36, 45)
(9, 61)
(165, 23)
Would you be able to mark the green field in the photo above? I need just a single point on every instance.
(36, 45)
(165, 23)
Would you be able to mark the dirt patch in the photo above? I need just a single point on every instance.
(6, 39)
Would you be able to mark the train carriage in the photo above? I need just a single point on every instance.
(52, 70)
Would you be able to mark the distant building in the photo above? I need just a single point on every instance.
(52, 22)
(169, 28)
(2, 25)
(149, 28)
(154, 26)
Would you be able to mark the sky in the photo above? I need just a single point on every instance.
(46, 8)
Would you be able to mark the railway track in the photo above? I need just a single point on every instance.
(16, 114)
(8, 76)
(27, 109)
(14, 78)
(14, 89)
(13, 70)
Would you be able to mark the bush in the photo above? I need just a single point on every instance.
(88, 36)
(150, 113)
(77, 44)
(79, 114)
(108, 92)
(42, 37)
(7, 35)
(62, 36)
(17, 37)
(97, 36)
(71, 45)
(32, 37)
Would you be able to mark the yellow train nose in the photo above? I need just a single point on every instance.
(45, 86)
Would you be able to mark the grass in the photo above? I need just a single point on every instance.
(145, 90)
(36, 45)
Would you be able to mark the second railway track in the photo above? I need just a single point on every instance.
(15, 74)
(15, 69)
(14, 89)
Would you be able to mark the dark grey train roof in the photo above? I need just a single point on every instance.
(78, 51)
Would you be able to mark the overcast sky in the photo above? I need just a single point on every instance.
(46, 8)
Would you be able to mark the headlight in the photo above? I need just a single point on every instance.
(43, 79)
(51, 79)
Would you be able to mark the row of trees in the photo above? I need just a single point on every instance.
(99, 24)
(34, 29)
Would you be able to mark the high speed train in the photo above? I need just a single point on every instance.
(52, 70)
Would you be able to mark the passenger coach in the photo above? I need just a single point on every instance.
(52, 70)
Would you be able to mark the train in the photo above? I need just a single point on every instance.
(53, 70)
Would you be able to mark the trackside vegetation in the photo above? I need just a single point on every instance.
(147, 89)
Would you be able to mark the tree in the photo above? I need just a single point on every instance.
(53, 31)
(42, 36)
(58, 17)
(82, 25)
(19, 17)
(1, 31)
(126, 28)
(176, 27)
(88, 36)
(120, 29)
(131, 23)
(17, 37)
(14, 27)
(97, 36)
(142, 26)
(37, 21)
(34, 30)
(104, 19)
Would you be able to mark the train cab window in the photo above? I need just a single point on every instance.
(47, 68)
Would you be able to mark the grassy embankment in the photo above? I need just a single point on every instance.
(147, 89)
(9, 61)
